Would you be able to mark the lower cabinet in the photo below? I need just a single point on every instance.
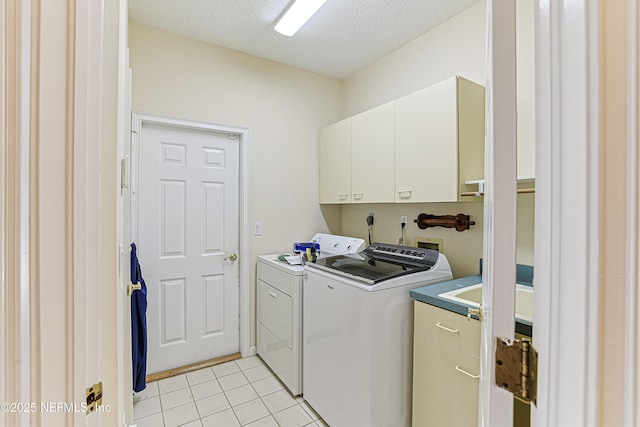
(446, 370)
(445, 375)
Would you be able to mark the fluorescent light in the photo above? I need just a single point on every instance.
(297, 15)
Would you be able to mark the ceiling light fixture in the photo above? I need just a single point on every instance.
(297, 15)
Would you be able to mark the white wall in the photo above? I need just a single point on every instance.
(457, 47)
(283, 107)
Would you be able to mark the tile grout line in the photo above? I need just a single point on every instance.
(257, 394)
(249, 382)
(225, 394)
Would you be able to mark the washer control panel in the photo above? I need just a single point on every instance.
(398, 253)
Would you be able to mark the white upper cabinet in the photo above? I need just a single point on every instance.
(335, 163)
(419, 148)
(439, 141)
(372, 145)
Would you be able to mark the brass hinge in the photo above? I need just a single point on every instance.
(94, 397)
(517, 368)
(474, 312)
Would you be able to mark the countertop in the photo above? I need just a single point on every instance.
(429, 294)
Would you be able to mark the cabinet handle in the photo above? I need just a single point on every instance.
(272, 295)
(459, 369)
(358, 196)
(404, 194)
(454, 331)
(343, 196)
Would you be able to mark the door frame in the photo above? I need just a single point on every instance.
(499, 252)
(567, 310)
(567, 307)
(60, 109)
(138, 119)
(632, 293)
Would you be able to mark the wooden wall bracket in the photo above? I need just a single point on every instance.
(460, 222)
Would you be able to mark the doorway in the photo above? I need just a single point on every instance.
(188, 215)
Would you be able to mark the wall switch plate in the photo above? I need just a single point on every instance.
(257, 229)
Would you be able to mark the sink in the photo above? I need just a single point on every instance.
(472, 295)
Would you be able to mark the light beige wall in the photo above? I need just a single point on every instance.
(456, 47)
(525, 65)
(613, 207)
(463, 249)
(283, 107)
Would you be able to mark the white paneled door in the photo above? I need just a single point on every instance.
(188, 241)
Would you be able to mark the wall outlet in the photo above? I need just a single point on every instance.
(370, 219)
(403, 219)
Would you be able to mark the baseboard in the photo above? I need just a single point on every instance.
(194, 367)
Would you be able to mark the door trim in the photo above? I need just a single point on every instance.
(567, 311)
(632, 347)
(499, 230)
(17, 193)
(245, 267)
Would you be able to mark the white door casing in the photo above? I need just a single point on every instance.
(566, 230)
(124, 241)
(188, 225)
(567, 213)
(59, 306)
(632, 348)
(499, 267)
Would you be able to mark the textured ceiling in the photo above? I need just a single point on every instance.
(341, 39)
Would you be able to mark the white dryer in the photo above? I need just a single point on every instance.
(358, 329)
(279, 308)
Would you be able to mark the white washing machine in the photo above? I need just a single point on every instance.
(358, 329)
(279, 308)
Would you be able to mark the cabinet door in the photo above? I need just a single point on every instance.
(426, 150)
(445, 384)
(372, 155)
(335, 163)
(470, 135)
(427, 378)
(448, 327)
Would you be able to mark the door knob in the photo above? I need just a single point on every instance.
(232, 257)
(131, 288)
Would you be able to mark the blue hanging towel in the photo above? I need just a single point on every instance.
(138, 325)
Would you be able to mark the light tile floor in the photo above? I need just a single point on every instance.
(243, 392)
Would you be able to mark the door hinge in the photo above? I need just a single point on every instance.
(474, 312)
(94, 397)
(517, 368)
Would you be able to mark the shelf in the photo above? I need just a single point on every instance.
(480, 184)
